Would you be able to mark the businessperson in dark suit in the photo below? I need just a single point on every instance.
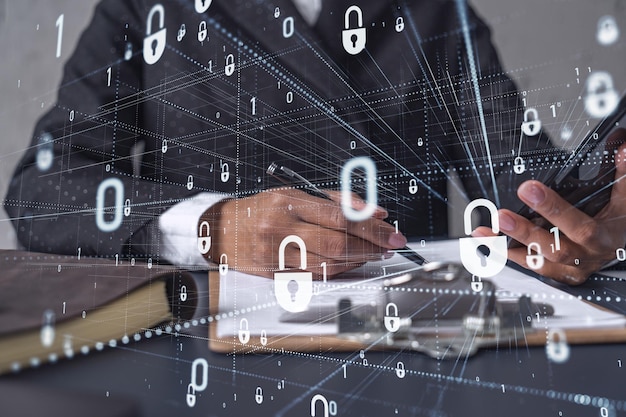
(170, 112)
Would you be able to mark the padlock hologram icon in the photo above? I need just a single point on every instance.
(154, 43)
(483, 256)
(353, 39)
(293, 289)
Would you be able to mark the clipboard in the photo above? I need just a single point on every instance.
(354, 341)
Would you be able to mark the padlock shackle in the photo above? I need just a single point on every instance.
(283, 245)
(208, 229)
(481, 202)
(241, 322)
(536, 246)
(223, 255)
(232, 61)
(598, 80)
(395, 307)
(314, 400)
(157, 8)
(534, 112)
(359, 16)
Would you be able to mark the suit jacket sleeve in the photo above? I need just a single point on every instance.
(74, 201)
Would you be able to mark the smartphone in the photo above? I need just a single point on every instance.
(586, 178)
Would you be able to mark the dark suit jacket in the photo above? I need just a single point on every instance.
(406, 101)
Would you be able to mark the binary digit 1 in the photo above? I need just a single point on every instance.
(59, 25)
(109, 77)
(557, 239)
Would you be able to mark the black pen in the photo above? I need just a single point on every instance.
(289, 177)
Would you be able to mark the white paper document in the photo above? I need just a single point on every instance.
(248, 302)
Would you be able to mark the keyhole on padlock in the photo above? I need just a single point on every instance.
(154, 45)
(354, 38)
(292, 287)
(483, 252)
(203, 244)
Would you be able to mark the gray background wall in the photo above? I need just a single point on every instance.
(540, 42)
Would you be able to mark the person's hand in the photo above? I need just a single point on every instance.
(586, 243)
(249, 231)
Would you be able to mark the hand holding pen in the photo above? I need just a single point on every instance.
(289, 177)
(248, 231)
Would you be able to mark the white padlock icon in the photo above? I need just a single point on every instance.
(474, 260)
(413, 186)
(202, 31)
(190, 182)
(519, 167)
(244, 331)
(534, 261)
(531, 124)
(191, 395)
(608, 31)
(258, 395)
(204, 240)
(182, 31)
(399, 24)
(229, 69)
(225, 174)
(392, 322)
(154, 43)
(263, 338)
(323, 400)
(183, 293)
(223, 267)
(45, 152)
(128, 53)
(557, 348)
(293, 289)
(400, 370)
(602, 98)
(46, 334)
(202, 5)
(476, 284)
(354, 39)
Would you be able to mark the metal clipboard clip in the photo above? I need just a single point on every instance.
(439, 309)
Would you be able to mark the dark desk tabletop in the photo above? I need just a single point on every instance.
(511, 380)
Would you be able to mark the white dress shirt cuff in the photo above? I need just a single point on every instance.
(179, 229)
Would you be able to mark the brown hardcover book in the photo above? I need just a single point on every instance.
(57, 306)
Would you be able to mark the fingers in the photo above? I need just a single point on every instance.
(358, 204)
(573, 223)
(568, 274)
(619, 187)
(329, 215)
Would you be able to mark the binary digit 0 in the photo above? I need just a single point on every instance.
(204, 365)
(288, 27)
(346, 189)
(620, 254)
(118, 187)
